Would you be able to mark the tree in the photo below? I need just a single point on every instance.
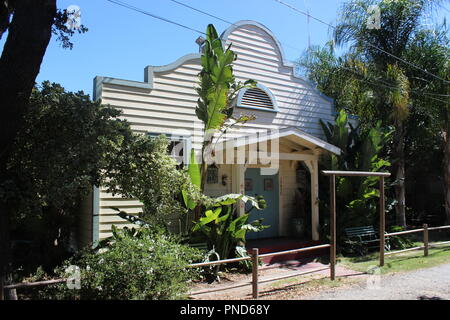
(64, 148)
(400, 21)
(431, 51)
(361, 151)
(142, 169)
(30, 24)
(339, 78)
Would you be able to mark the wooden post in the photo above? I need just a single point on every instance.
(332, 227)
(313, 168)
(425, 239)
(382, 221)
(2, 290)
(255, 265)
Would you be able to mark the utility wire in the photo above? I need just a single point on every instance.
(369, 44)
(226, 21)
(125, 5)
(201, 11)
(128, 6)
(389, 86)
(223, 20)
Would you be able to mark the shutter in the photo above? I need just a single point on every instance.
(257, 98)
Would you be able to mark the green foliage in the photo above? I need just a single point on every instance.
(217, 83)
(61, 151)
(195, 178)
(356, 197)
(59, 154)
(217, 89)
(143, 264)
(223, 229)
(144, 170)
(341, 78)
(375, 86)
(399, 242)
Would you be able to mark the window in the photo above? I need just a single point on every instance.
(258, 97)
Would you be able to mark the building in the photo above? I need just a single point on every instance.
(287, 110)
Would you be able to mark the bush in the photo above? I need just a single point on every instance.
(135, 264)
(399, 242)
(144, 170)
(63, 149)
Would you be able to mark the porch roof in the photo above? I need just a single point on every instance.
(292, 134)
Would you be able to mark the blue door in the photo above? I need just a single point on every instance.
(266, 186)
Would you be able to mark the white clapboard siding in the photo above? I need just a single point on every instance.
(166, 104)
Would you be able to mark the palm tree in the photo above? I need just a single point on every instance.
(431, 50)
(380, 49)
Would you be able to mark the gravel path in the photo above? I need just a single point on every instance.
(432, 283)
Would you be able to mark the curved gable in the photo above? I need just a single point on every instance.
(255, 36)
(255, 44)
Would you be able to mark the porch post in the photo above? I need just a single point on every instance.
(313, 167)
(238, 184)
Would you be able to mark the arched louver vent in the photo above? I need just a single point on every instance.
(256, 98)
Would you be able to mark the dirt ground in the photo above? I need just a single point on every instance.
(299, 287)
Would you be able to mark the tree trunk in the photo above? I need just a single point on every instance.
(29, 34)
(399, 172)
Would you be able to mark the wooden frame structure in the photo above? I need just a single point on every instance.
(332, 175)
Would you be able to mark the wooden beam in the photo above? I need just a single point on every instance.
(382, 221)
(288, 156)
(355, 173)
(255, 264)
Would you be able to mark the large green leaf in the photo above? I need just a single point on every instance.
(194, 170)
(234, 197)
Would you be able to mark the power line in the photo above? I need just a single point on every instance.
(128, 6)
(389, 86)
(201, 11)
(369, 44)
(120, 3)
(223, 20)
(231, 23)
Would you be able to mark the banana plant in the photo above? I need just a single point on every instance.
(217, 90)
(223, 229)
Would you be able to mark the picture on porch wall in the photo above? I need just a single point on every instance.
(248, 185)
(268, 184)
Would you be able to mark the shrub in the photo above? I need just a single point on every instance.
(399, 242)
(134, 264)
(60, 152)
(144, 170)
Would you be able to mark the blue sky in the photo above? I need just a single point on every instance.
(121, 42)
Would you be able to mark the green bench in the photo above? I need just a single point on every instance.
(363, 238)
